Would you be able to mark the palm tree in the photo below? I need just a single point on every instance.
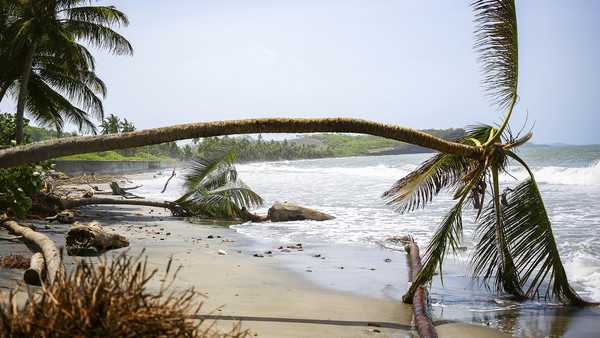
(213, 189)
(516, 252)
(54, 27)
(111, 125)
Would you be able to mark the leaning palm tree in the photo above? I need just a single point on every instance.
(213, 189)
(516, 251)
(56, 27)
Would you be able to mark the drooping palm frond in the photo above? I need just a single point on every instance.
(100, 36)
(493, 260)
(533, 247)
(496, 41)
(103, 15)
(419, 187)
(48, 107)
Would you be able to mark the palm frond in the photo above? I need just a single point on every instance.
(419, 187)
(496, 41)
(447, 237)
(103, 15)
(492, 260)
(100, 36)
(212, 172)
(534, 249)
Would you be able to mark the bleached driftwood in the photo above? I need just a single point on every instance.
(46, 245)
(35, 274)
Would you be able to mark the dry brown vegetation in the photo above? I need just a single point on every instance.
(108, 299)
(14, 262)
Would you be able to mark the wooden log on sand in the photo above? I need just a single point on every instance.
(45, 244)
(35, 274)
(423, 322)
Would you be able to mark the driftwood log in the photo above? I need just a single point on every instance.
(37, 269)
(423, 321)
(92, 240)
(120, 191)
(45, 244)
(167, 182)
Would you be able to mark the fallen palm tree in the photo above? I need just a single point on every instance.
(109, 299)
(41, 151)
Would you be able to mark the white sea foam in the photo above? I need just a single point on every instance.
(379, 170)
(584, 269)
(589, 175)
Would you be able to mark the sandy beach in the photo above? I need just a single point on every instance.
(222, 264)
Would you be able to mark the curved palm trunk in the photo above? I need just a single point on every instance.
(24, 92)
(41, 151)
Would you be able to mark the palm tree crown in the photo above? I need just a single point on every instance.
(42, 43)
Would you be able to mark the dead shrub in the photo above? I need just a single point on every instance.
(108, 299)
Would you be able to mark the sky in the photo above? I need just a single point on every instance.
(403, 62)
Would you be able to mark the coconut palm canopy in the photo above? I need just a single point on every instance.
(213, 189)
(516, 251)
(49, 69)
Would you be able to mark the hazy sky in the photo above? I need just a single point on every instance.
(404, 62)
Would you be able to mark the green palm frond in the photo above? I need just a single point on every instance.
(213, 172)
(103, 15)
(49, 107)
(419, 187)
(534, 249)
(100, 36)
(496, 41)
(213, 189)
(492, 260)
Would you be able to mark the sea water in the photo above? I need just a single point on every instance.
(351, 188)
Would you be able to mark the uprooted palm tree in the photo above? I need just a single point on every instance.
(213, 189)
(516, 250)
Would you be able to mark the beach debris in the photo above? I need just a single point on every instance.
(14, 262)
(341, 267)
(65, 217)
(269, 252)
(35, 274)
(168, 180)
(92, 240)
(222, 252)
(317, 255)
(210, 236)
(88, 194)
(258, 255)
(402, 239)
(283, 212)
(308, 270)
(387, 260)
(121, 191)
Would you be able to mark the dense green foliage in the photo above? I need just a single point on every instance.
(259, 150)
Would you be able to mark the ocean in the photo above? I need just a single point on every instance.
(350, 189)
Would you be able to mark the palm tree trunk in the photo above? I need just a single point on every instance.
(75, 203)
(24, 92)
(41, 151)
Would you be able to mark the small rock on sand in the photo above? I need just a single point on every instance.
(222, 252)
